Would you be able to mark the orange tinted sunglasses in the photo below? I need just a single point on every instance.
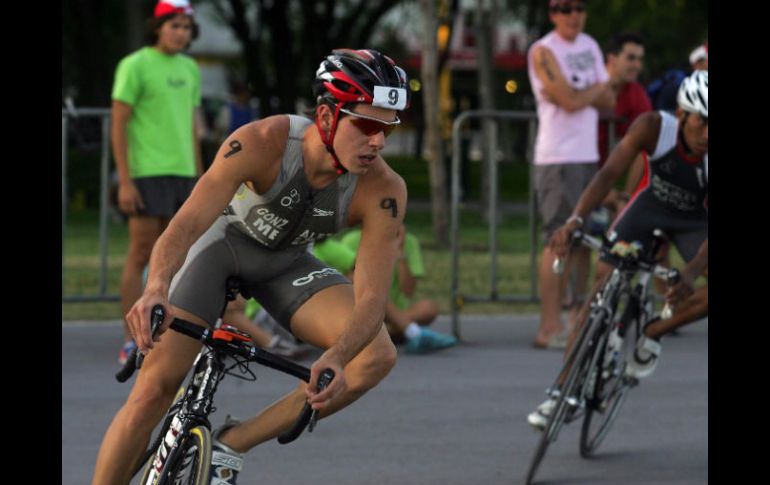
(371, 126)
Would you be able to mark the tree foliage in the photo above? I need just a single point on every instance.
(671, 28)
(283, 41)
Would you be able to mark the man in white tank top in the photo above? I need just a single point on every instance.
(569, 80)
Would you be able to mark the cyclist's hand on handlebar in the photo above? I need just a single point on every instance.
(139, 321)
(320, 400)
(560, 241)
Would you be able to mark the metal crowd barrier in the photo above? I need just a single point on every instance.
(458, 299)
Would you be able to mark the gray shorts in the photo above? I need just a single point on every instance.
(163, 196)
(686, 230)
(558, 188)
(281, 280)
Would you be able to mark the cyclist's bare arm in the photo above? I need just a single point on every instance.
(686, 284)
(251, 153)
(379, 205)
(642, 135)
(556, 87)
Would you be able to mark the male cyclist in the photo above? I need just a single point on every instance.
(275, 186)
(672, 196)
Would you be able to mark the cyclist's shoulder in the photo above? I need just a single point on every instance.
(272, 127)
(267, 134)
(383, 177)
(646, 128)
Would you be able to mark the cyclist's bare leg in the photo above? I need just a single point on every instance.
(581, 263)
(551, 291)
(156, 385)
(664, 256)
(143, 231)
(320, 321)
(603, 272)
(690, 310)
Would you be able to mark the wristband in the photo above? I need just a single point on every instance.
(575, 217)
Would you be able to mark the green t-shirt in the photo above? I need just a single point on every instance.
(163, 92)
(413, 260)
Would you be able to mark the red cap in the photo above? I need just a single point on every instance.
(165, 7)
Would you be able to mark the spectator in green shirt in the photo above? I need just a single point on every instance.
(154, 141)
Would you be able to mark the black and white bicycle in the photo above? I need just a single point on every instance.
(593, 382)
(181, 453)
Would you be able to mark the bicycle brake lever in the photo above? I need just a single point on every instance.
(157, 316)
(323, 380)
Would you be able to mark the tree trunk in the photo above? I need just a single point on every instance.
(485, 38)
(428, 71)
(282, 53)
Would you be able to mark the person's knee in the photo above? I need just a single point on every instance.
(147, 404)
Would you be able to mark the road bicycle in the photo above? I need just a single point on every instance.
(181, 452)
(593, 382)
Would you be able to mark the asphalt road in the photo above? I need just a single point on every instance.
(454, 417)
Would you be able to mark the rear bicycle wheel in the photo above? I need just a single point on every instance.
(569, 400)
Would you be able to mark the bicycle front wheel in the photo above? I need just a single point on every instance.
(576, 368)
(186, 464)
(599, 418)
(605, 399)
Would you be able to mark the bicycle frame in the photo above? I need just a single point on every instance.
(188, 415)
(190, 411)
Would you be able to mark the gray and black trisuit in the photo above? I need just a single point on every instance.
(264, 240)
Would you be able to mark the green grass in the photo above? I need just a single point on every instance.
(81, 263)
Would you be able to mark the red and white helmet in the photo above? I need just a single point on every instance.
(357, 76)
(361, 76)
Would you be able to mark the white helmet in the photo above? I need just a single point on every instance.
(694, 93)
